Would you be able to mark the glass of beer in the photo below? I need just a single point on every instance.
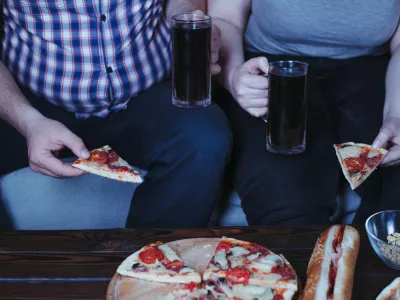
(287, 108)
(191, 59)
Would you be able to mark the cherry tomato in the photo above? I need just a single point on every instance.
(224, 246)
(238, 275)
(354, 164)
(112, 156)
(150, 255)
(99, 157)
(175, 265)
(278, 297)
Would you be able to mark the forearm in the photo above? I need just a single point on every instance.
(14, 107)
(231, 54)
(174, 7)
(392, 104)
(232, 20)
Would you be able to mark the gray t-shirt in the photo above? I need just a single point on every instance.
(322, 28)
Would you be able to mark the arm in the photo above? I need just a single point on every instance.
(244, 80)
(14, 108)
(232, 20)
(389, 135)
(175, 7)
(43, 135)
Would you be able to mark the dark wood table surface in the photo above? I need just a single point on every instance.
(80, 264)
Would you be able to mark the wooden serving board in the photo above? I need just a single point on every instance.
(196, 253)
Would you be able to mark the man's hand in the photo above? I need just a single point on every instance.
(47, 136)
(249, 86)
(215, 45)
(389, 137)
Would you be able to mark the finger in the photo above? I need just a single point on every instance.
(39, 170)
(257, 103)
(254, 81)
(216, 38)
(214, 56)
(257, 112)
(74, 143)
(57, 167)
(392, 158)
(383, 137)
(198, 12)
(257, 65)
(215, 69)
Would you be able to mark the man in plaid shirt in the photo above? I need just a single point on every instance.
(83, 74)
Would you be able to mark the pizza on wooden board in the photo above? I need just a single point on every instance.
(106, 163)
(358, 161)
(238, 270)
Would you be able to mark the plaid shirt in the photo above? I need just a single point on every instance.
(88, 56)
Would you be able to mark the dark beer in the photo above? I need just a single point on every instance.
(191, 60)
(287, 110)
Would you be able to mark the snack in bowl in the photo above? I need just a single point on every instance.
(391, 292)
(234, 270)
(331, 268)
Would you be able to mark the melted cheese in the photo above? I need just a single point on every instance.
(273, 259)
(169, 253)
(220, 258)
(239, 251)
(253, 256)
(252, 291)
(351, 151)
(236, 261)
(186, 270)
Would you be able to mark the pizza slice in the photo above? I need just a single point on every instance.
(105, 162)
(188, 291)
(391, 292)
(239, 267)
(358, 161)
(158, 262)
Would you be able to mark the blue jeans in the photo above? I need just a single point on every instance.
(185, 152)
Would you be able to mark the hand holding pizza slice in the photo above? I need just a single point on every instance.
(358, 161)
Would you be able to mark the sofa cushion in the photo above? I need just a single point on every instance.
(34, 202)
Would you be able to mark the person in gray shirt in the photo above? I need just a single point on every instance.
(353, 49)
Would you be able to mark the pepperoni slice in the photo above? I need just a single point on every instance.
(175, 265)
(255, 248)
(191, 286)
(354, 164)
(119, 168)
(150, 255)
(100, 157)
(224, 246)
(278, 297)
(285, 271)
(238, 275)
(112, 156)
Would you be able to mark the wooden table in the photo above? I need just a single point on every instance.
(80, 264)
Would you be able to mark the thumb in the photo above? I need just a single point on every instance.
(257, 65)
(198, 12)
(381, 140)
(76, 145)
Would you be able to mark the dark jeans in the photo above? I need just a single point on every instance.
(345, 103)
(184, 150)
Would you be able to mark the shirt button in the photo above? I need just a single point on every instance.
(110, 70)
(103, 18)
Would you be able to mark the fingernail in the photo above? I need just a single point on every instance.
(85, 153)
